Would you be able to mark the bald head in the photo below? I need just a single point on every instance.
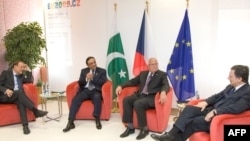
(153, 65)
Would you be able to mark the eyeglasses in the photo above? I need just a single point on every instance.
(153, 64)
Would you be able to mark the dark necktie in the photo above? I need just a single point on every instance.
(145, 89)
(18, 79)
(91, 86)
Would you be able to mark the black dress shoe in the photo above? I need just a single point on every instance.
(167, 137)
(156, 137)
(127, 132)
(143, 133)
(40, 113)
(164, 137)
(98, 124)
(26, 129)
(69, 126)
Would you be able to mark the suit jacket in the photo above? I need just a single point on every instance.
(158, 82)
(236, 103)
(7, 80)
(98, 80)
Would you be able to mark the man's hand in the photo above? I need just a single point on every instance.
(163, 97)
(89, 76)
(9, 92)
(202, 105)
(118, 90)
(209, 116)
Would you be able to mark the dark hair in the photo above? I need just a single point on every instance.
(90, 57)
(241, 71)
(16, 63)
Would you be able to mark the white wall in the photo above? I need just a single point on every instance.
(219, 31)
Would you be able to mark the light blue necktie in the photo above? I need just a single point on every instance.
(91, 86)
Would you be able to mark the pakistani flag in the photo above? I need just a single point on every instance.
(116, 63)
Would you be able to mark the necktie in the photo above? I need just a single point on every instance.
(91, 86)
(145, 89)
(18, 82)
(231, 92)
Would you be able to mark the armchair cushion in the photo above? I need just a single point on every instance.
(157, 119)
(86, 109)
(9, 113)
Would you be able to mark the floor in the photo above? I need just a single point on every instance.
(85, 129)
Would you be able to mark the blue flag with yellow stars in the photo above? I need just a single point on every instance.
(180, 70)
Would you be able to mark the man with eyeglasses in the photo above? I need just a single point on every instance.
(150, 82)
(91, 80)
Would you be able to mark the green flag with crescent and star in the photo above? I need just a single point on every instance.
(117, 70)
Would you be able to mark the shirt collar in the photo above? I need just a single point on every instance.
(239, 86)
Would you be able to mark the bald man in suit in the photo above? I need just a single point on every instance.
(150, 82)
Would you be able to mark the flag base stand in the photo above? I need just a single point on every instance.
(115, 108)
(180, 106)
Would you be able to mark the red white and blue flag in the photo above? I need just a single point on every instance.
(145, 47)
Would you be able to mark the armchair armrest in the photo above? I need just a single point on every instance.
(127, 91)
(163, 117)
(194, 102)
(218, 122)
(71, 91)
(31, 91)
(107, 96)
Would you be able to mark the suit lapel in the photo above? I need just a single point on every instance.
(154, 76)
(11, 76)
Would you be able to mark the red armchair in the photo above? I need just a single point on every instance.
(86, 109)
(217, 125)
(157, 119)
(9, 113)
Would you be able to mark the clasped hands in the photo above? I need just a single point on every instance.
(89, 76)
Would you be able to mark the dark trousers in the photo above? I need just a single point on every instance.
(21, 100)
(95, 96)
(140, 103)
(191, 120)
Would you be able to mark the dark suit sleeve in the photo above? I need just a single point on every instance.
(3, 78)
(165, 84)
(99, 78)
(27, 77)
(216, 97)
(82, 80)
(132, 82)
(236, 104)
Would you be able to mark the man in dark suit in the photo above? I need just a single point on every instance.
(91, 80)
(11, 91)
(234, 99)
(150, 82)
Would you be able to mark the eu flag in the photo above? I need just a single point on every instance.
(180, 68)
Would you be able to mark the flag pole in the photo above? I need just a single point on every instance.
(115, 109)
(147, 3)
(187, 4)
